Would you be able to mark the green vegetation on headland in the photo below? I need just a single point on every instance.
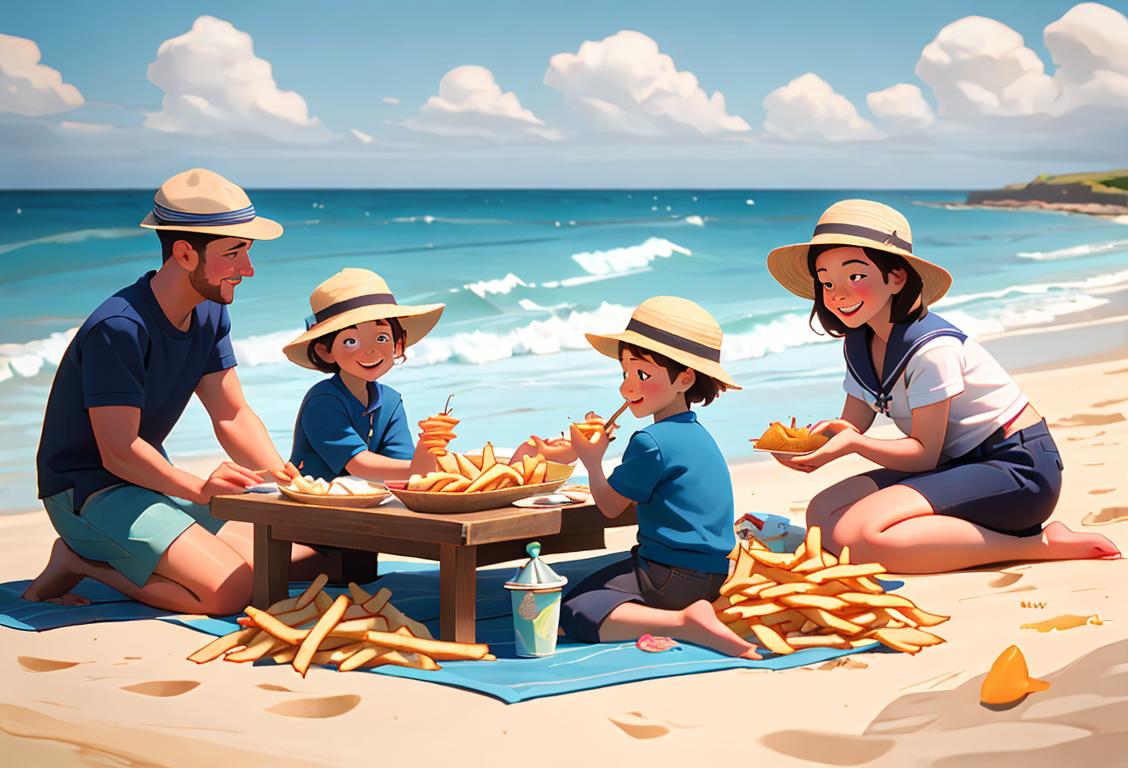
(1100, 192)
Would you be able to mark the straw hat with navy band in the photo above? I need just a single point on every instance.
(677, 328)
(866, 224)
(200, 200)
(354, 296)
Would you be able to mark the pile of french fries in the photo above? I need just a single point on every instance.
(354, 631)
(460, 473)
(811, 599)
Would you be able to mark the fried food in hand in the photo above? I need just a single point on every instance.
(779, 437)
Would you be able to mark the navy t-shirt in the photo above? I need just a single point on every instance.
(676, 473)
(126, 353)
(333, 426)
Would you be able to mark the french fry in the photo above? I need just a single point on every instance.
(495, 472)
(436, 649)
(771, 639)
(222, 645)
(365, 656)
(448, 463)
(540, 472)
(847, 571)
(398, 620)
(467, 467)
(318, 633)
(264, 645)
(488, 458)
(322, 601)
(312, 591)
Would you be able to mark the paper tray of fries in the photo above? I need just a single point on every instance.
(445, 502)
(352, 492)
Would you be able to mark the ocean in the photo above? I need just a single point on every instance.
(524, 275)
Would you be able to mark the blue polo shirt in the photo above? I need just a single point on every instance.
(333, 427)
(676, 473)
(126, 353)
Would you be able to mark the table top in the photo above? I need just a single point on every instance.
(393, 520)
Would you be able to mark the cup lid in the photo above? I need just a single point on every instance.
(536, 574)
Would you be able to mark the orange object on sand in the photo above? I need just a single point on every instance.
(1009, 680)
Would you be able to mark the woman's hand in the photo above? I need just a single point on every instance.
(589, 452)
(832, 427)
(843, 443)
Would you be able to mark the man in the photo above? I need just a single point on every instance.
(124, 514)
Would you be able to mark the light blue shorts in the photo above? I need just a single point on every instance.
(126, 526)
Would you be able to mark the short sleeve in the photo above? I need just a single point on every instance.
(330, 432)
(935, 373)
(396, 443)
(112, 364)
(854, 389)
(641, 470)
(222, 355)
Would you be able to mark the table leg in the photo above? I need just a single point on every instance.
(272, 568)
(458, 587)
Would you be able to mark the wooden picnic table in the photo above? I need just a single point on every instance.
(459, 542)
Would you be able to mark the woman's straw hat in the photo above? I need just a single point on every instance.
(355, 296)
(200, 200)
(677, 328)
(866, 224)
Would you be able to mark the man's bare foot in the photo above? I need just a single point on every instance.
(1064, 544)
(701, 626)
(62, 573)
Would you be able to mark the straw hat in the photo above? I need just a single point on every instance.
(866, 224)
(677, 328)
(355, 296)
(200, 200)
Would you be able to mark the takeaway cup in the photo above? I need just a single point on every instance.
(535, 592)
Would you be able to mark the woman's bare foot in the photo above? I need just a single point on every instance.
(701, 626)
(1064, 544)
(63, 571)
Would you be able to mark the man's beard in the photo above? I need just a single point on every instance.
(210, 292)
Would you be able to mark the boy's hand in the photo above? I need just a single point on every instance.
(422, 461)
(589, 451)
(286, 475)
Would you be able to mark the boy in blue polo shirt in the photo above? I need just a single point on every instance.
(675, 473)
(350, 423)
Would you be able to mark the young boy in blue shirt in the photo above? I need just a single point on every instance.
(675, 473)
(350, 423)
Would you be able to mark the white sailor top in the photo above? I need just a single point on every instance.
(928, 361)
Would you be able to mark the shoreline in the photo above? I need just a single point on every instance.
(1116, 213)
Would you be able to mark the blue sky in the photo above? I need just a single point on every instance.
(344, 58)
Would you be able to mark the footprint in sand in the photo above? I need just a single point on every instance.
(273, 687)
(1005, 580)
(1089, 420)
(326, 706)
(33, 664)
(1104, 403)
(1106, 516)
(162, 688)
(639, 726)
(843, 662)
(1101, 491)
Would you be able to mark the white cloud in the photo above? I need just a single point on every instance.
(87, 128)
(391, 100)
(623, 84)
(808, 109)
(29, 88)
(981, 67)
(471, 103)
(1089, 45)
(214, 84)
(361, 136)
(901, 108)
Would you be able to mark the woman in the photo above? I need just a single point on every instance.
(977, 473)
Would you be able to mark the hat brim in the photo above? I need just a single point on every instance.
(417, 322)
(609, 346)
(788, 265)
(258, 228)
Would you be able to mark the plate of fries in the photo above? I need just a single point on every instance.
(353, 631)
(473, 482)
(812, 599)
(339, 492)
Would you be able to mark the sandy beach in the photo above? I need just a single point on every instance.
(123, 693)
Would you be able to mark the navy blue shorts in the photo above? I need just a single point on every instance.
(1010, 485)
(633, 579)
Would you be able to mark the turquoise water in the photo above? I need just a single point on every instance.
(524, 274)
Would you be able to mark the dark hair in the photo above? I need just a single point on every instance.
(198, 240)
(398, 336)
(907, 303)
(705, 388)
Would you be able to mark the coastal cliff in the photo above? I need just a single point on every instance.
(1103, 193)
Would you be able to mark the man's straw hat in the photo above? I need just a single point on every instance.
(200, 200)
(677, 328)
(355, 296)
(866, 224)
